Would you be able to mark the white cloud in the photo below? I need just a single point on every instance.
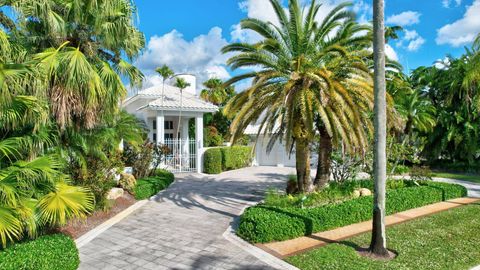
(200, 56)
(390, 52)
(405, 18)
(413, 39)
(446, 3)
(462, 31)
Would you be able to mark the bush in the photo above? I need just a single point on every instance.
(263, 223)
(127, 182)
(217, 160)
(51, 252)
(212, 161)
(236, 157)
(149, 186)
(212, 137)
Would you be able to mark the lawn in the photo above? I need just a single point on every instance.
(448, 240)
(465, 177)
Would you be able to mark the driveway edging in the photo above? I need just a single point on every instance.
(90, 235)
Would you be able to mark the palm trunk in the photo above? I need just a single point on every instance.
(302, 155)
(378, 245)
(324, 159)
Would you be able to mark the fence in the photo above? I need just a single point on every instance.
(182, 156)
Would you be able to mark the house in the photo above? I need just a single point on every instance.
(277, 156)
(167, 111)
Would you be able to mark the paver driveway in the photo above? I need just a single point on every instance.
(182, 228)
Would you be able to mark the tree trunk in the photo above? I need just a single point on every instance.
(302, 155)
(378, 245)
(324, 159)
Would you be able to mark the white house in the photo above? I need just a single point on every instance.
(167, 117)
(278, 156)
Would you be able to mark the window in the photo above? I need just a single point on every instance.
(168, 125)
(154, 137)
(154, 124)
(168, 136)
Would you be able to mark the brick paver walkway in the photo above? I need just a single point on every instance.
(183, 227)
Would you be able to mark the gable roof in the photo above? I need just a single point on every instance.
(172, 100)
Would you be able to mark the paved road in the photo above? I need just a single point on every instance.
(182, 228)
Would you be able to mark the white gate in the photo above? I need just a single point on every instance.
(182, 156)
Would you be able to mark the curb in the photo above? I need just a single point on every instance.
(90, 235)
(260, 254)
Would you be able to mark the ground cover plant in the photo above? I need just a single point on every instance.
(447, 240)
(149, 186)
(286, 217)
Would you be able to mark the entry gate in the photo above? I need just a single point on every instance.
(182, 156)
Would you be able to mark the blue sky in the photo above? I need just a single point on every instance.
(188, 34)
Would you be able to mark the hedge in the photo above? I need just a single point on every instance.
(212, 161)
(217, 160)
(262, 224)
(149, 186)
(50, 252)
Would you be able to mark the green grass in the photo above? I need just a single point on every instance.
(459, 176)
(448, 240)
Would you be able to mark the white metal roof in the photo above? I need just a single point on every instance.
(172, 100)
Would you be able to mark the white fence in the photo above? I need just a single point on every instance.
(182, 156)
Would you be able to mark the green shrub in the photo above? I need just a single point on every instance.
(50, 252)
(236, 157)
(217, 160)
(263, 223)
(212, 161)
(127, 182)
(149, 186)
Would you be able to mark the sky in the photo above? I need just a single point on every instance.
(188, 35)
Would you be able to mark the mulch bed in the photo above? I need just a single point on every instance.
(76, 228)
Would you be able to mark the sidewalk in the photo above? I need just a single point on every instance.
(291, 247)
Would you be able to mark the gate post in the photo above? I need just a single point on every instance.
(199, 140)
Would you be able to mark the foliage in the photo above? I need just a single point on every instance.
(475, 178)
(420, 173)
(139, 158)
(149, 186)
(445, 240)
(212, 161)
(263, 223)
(219, 159)
(211, 137)
(307, 74)
(345, 167)
(51, 252)
(236, 157)
(127, 182)
(215, 92)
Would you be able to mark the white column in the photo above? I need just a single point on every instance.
(185, 142)
(160, 128)
(199, 140)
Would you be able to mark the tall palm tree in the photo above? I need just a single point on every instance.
(215, 91)
(165, 72)
(80, 46)
(181, 84)
(299, 83)
(378, 245)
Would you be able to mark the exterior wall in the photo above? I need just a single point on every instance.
(277, 157)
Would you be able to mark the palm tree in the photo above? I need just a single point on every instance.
(216, 92)
(378, 245)
(165, 72)
(299, 86)
(80, 47)
(181, 84)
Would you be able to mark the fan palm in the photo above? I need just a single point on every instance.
(84, 70)
(301, 84)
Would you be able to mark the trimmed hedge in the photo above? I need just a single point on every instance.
(212, 161)
(217, 160)
(50, 252)
(149, 186)
(262, 224)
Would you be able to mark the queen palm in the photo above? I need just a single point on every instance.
(181, 84)
(165, 72)
(216, 92)
(80, 45)
(299, 82)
